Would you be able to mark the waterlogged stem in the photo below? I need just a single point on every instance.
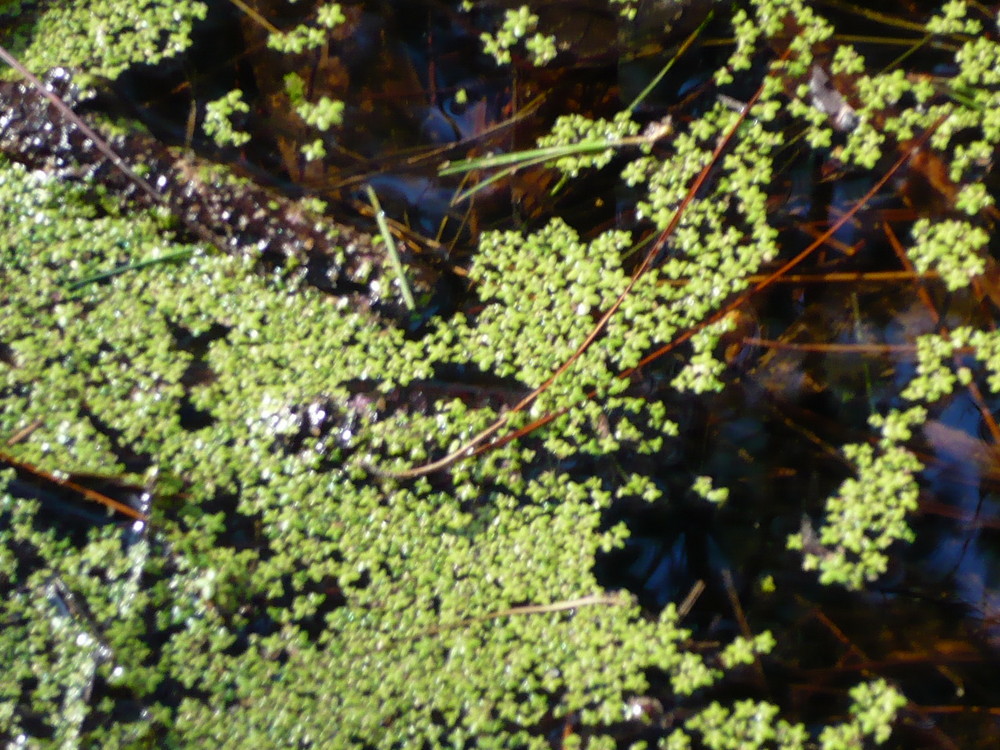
(390, 245)
(478, 443)
(617, 599)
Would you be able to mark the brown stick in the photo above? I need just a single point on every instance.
(475, 444)
(739, 300)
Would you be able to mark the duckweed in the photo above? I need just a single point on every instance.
(284, 594)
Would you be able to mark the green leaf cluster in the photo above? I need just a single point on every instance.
(517, 23)
(868, 513)
(101, 38)
(408, 595)
(218, 124)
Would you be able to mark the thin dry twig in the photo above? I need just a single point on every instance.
(617, 599)
(735, 303)
(471, 446)
(86, 492)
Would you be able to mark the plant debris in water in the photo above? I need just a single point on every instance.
(756, 390)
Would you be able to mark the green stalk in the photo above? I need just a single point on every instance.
(390, 244)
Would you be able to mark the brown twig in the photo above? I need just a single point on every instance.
(735, 303)
(90, 494)
(472, 446)
(617, 599)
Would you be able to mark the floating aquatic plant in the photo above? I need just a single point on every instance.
(218, 123)
(287, 588)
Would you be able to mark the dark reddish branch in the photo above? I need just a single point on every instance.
(477, 444)
(741, 298)
(45, 477)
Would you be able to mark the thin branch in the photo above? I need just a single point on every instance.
(117, 161)
(90, 494)
(739, 299)
(617, 599)
(471, 446)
